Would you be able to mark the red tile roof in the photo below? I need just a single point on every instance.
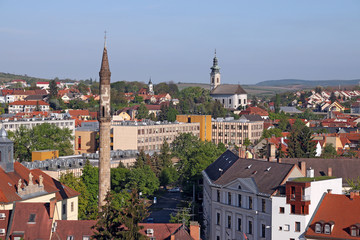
(78, 113)
(9, 181)
(75, 228)
(255, 110)
(29, 103)
(340, 209)
(39, 229)
(4, 223)
(162, 231)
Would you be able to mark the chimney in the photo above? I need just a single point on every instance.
(172, 237)
(352, 195)
(329, 171)
(195, 230)
(279, 160)
(52, 207)
(310, 173)
(329, 191)
(303, 167)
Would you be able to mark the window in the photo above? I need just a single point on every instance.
(239, 200)
(327, 229)
(263, 230)
(282, 210)
(218, 195)
(239, 224)
(353, 231)
(229, 198)
(297, 226)
(318, 228)
(263, 205)
(64, 209)
(70, 238)
(72, 206)
(292, 208)
(32, 218)
(250, 227)
(229, 221)
(86, 238)
(217, 218)
(286, 227)
(250, 203)
(217, 237)
(229, 101)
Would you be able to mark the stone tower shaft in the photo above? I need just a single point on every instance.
(105, 124)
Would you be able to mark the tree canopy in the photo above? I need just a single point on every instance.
(41, 137)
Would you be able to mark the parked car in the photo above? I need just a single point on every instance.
(176, 189)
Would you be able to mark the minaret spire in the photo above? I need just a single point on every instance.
(105, 124)
(215, 73)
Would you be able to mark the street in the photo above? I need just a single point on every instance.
(166, 204)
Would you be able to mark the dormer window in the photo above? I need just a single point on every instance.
(32, 218)
(318, 227)
(353, 231)
(327, 229)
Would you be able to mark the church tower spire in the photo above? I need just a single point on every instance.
(215, 74)
(105, 123)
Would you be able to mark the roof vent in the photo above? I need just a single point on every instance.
(2, 215)
(221, 170)
(268, 169)
(248, 167)
(254, 172)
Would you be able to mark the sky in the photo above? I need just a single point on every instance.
(169, 40)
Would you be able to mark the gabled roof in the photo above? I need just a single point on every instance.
(255, 110)
(39, 228)
(78, 112)
(253, 117)
(76, 228)
(9, 181)
(340, 210)
(267, 175)
(228, 89)
(163, 231)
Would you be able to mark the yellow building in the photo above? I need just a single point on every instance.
(44, 154)
(205, 124)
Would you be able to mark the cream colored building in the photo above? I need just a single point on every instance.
(230, 131)
(148, 135)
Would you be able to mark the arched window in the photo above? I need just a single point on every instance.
(103, 111)
(353, 231)
(327, 229)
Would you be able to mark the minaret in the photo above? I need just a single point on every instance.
(151, 87)
(215, 74)
(105, 123)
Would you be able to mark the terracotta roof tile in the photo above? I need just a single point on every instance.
(76, 228)
(29, 103)
(162, 231)
(341, 210)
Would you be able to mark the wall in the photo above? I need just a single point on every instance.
(43, 155)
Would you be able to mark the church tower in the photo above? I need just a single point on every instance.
(151, 87)
(105, 123)
(215, 74)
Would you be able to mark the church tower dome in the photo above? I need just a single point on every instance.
(215, 77)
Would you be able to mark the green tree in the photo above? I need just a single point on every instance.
(277, 103)
(138, 99)
(301, 144)
(119, 178)
(41, 137)
(90, 177)
(168, 175)
(143, 179)
(78, 185)
(109, 224)
(83, 88)
(354, 184)
(143, 112)
(182, 216)
(247, 142)
(171, 113)
(268, 133)
(165, 155)
(141, 159)
(329, 151)
(131, 215)
(53, 89)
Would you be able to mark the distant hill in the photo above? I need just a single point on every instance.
(308, 83)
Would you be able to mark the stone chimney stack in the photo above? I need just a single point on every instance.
(303, 168)
(329, 171)
(195, 230)
(105, 123)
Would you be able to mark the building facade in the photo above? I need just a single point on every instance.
(205, 124)
(148, 135)
(238, 196)
(292, 212)
(230, 131)
(28, 106)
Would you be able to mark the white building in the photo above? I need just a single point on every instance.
(230, 95)
(28, 106)
(238, 196)
(292, 212)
